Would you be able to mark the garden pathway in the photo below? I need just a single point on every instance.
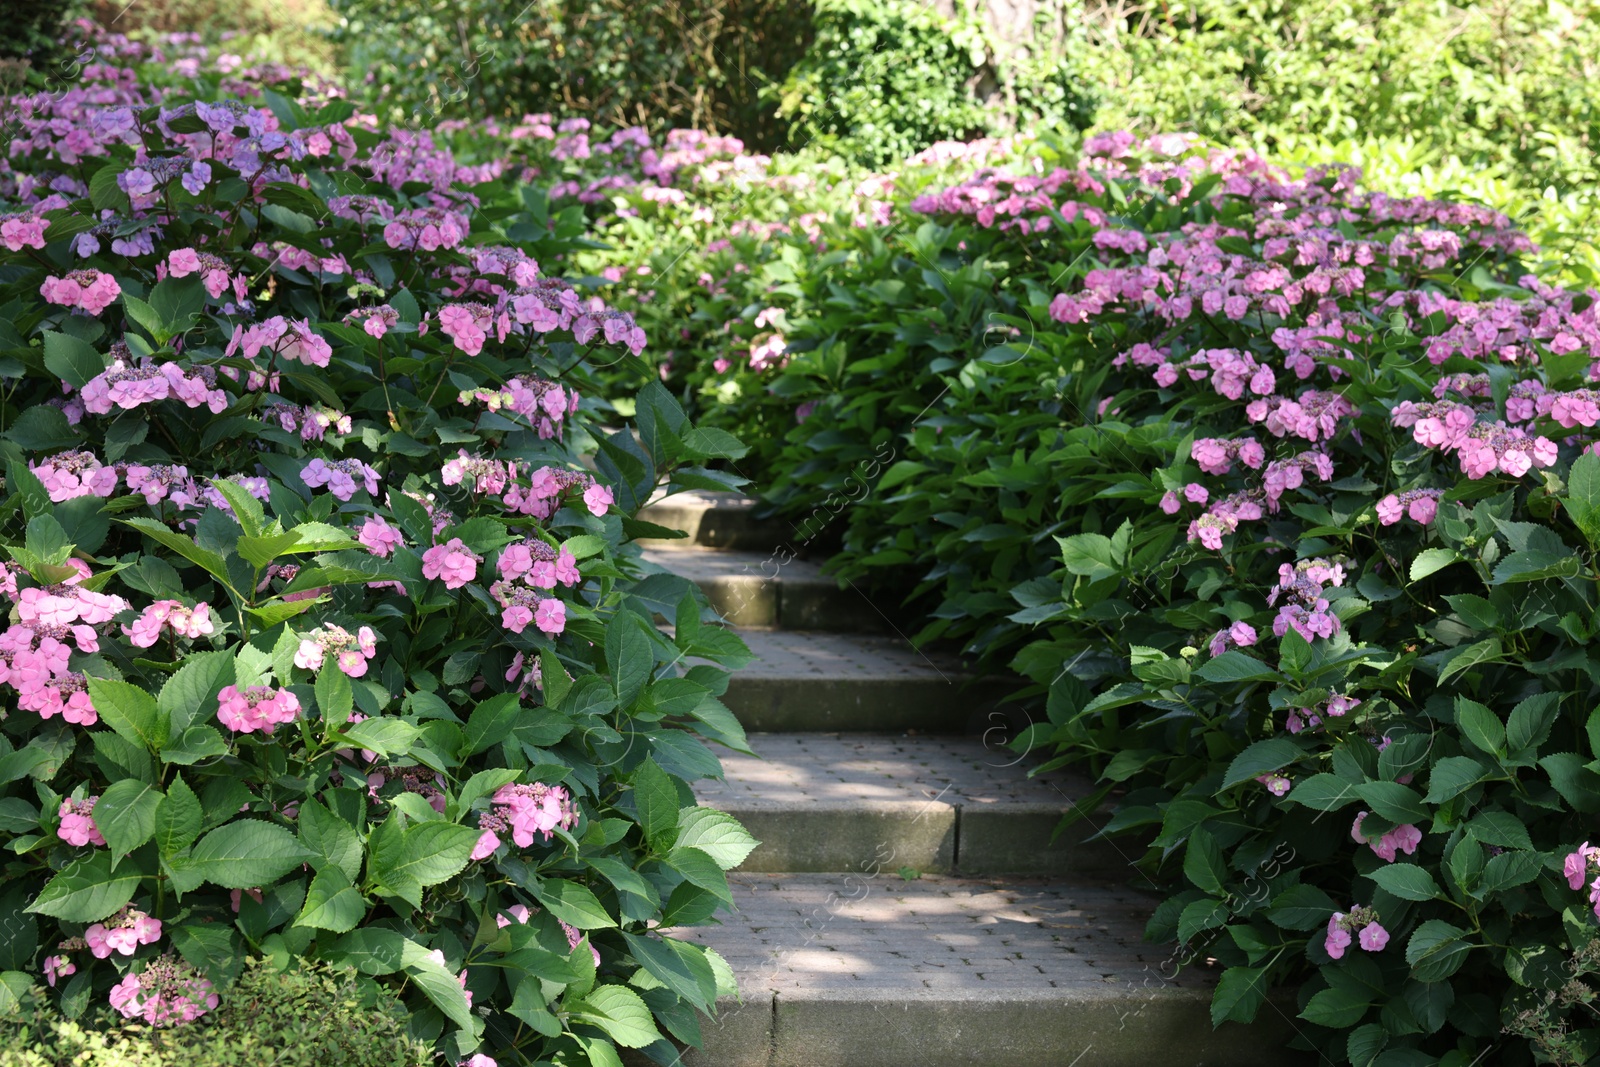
(908, 906)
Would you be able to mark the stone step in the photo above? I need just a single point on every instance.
(844, 970)
(851, 802)
(712, 520)
(771, 590)
(812, 681)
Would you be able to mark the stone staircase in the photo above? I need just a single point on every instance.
(908, 906)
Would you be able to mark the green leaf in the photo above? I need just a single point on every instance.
(1531, 720)
(491, 722)
(1393, 801)
(1301, 907)
(42, 428)
(213, 564)
(145, 316)
(574, 904)
(1271, 754)
(1480, 726)
(484, 783)
(1430, 560)
(629, 657)
(1535, 565)
(1578, 785)
(1324, 792)
(681, 967)
(190, 695)
(715, 833)
(178, 818)
(1583, 496)
(71, 359)
(14, 986)
(620, 1013)
(656, 797)
(179, 301)
(1089, 555)
(1203, 864)
(1506, 871)
(1436, 951)
(211, 948)
(126, 816)
(385, 736)
(246, 508)
(1486, 651)
(1235, 666)
(332, 903)
(711, 443)
(332, 841)
(424, 854)
(247, 853)
(1452, 776)
(1239, 995)
(1406, 881)
(1338, 1007)
(86, 890)
(336, 700)
(130, 711)
(195, 744)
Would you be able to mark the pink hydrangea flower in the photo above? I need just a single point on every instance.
(22, 231)
(182, 262)
(167, 992)
(551, 616)
(257, 707)
(173, 615)
(58, 967)
(598, 498)
(77, 823)
(452, 562)
(379, 538)
(1581, 865)
(342, 476)
(123, 933)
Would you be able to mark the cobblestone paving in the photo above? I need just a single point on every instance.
(815, 933)
(808, 768)
(802, 654)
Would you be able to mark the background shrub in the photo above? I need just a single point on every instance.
(658, 63)
(1494, 82)
(307, 1016)
(883, 80)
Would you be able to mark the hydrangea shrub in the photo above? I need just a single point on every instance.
(325, 638)
(1283, 491)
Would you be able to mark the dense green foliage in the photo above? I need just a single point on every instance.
(307, 1016)
(325, 637)
(662, 64)
(884, 80)
(1502, 83)
(1014, 416)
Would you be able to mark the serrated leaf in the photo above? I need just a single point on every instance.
(1406, 881)
(178, 818)
(126, 816)
(620, 1013)
(247, 853)
(332, 903)
(1203, 864)
(715, 833)
(1431, 560)
(1271, 754)
(87, 890)
(130, 711)
(656, 798)
(574, 904)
